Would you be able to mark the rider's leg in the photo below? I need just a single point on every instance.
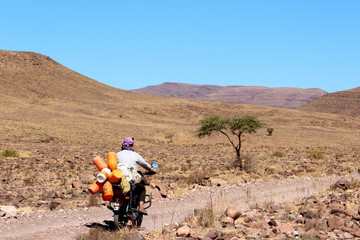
(142, 193)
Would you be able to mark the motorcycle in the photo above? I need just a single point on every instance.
(125, 207)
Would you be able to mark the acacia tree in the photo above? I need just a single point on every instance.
(231, 128)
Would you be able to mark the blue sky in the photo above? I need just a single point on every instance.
(133, 44)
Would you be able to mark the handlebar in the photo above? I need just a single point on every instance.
(149, 173)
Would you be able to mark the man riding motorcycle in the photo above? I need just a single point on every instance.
(129, 158)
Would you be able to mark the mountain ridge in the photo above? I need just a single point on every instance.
(342, 102)
(282, 97)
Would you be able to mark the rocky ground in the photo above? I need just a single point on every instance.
(334, 214)
(56, 176)
(260, 210)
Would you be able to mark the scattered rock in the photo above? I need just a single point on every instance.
(335, 222)
(342, 184)
(212, 234)
(10, 211)
(76, 184)
(173, 185)
(54, 205)
(226, 221)
(233, 212)
(183, 231)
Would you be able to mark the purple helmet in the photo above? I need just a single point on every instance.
(127, 144)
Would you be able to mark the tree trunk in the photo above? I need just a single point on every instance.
(238, 159)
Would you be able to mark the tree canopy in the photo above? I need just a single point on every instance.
(236, 126)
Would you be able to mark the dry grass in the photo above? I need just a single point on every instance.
(98, 233)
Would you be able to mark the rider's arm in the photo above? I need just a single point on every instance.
(141, 161)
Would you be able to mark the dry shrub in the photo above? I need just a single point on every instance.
(278, 154)
(10, 153)
(204, 217)
(316, 155)
(93, 201)
(98, 233)
(196, 177)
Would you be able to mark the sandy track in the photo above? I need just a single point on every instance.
(69, 223)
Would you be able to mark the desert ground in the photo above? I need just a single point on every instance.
(58, 120)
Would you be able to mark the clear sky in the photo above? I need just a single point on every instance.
(133, 44)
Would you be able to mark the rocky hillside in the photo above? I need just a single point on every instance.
(264, 96)
(32, 76)
(342, 102)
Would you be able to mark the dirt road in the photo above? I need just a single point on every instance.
(69, 223)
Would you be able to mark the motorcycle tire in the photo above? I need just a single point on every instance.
(119, 221)
(139, 220)
(116, 221)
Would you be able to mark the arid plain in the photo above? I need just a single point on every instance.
(57, 120)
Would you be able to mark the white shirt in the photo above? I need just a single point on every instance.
(132, 159)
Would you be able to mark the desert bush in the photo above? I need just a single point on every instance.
(246, 161)
(99, 233)
(196, 177)
(316, 155)
(204, 217)
(270, 131)
(278, 154)
(10, 153)
(93, 201)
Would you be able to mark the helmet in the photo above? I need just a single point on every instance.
(127, 144)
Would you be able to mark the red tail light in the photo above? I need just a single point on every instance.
(127, 198)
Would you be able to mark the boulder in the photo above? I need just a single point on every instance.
(54, 205)
(160, 187)
(335, 222)
(226, 221)
(348, 235)
(212, 234)
(76, 184)
(183, 231)
(312, 233)
(233, 212)
(9, 210)
(342, 184)
(284, 228)
(2, 213)
(311, 213)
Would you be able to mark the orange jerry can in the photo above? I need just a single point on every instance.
(95, 187)
(115, 176)
(112, 160)
(107, 191)
(99, 163)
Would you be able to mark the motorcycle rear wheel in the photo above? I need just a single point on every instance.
(118, 221)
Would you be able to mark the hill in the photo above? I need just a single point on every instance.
(57, 120)
(342, 102)
(272, 97)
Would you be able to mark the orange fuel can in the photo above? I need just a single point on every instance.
(112, 160)
(95, 187)
(107, 191)
(115, 176)
(99, 163)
